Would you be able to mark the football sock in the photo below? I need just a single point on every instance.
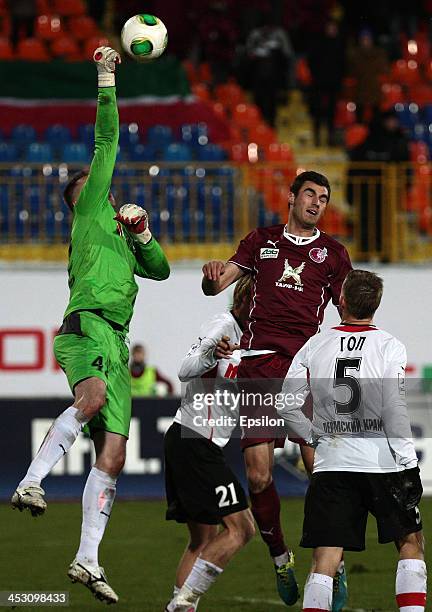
(341, 567)
(411, 577)
(60, 437)
(97, 501)
(265, 507)
(318, 593)
(200, 579)
(281, 559)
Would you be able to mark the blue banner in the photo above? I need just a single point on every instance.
(25, 423)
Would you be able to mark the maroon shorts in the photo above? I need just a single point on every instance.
(262, 374)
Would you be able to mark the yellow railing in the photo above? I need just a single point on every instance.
(200, 211)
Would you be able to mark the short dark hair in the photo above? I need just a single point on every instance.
(314, 177)
(242, 289)
(70, 186)
(362, 292)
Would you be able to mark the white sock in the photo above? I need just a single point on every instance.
(318, 592)
(97, 501)
(60, 437)
(411, 584)
(281, 559)
(176, 590)
(341, 567)
(200, 579)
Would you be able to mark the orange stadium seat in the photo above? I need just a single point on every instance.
(345, 114)
(191, 71)
(246, 115)
(391, 94)
(419, 152)
(204, 72)
(421, 93)
(93, 43)
(230, 94)
(279, 152)
(239, 152)
(6, 51)
(417, 48)
(43, 7)
(32, 50)
(66, 48)
(303, 73)
(48, 27)
(262, 134)
(218, 109)
(3, 7)
(83, 27)
(70, 8)
(355, 135)
(405, 72)
(200, 90)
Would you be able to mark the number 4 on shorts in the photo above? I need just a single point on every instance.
(97, 363)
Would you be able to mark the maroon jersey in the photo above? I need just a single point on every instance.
(294, 279)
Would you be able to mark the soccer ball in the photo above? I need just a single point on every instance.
(144, 37)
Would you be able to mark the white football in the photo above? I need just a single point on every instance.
(144, 37)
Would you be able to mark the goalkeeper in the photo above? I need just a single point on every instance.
(105, 254)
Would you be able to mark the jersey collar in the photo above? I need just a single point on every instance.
(299, 240)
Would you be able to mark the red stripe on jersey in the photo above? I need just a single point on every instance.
(315, 610)
(356, 328)
(411, 599)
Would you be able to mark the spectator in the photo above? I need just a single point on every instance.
(367, 63)
(96, 9)
(385, 143)
(326, 62)
(22, 14)
(217, 34)
(146, 380)
(270, 52)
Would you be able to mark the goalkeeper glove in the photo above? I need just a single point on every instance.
(135, 220)
(106, 60)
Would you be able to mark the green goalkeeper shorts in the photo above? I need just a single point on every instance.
(86, 346)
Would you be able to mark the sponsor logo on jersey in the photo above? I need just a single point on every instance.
(318, 255)
(294, 273)
(267, 253)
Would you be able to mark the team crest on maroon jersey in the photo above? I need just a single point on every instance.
(318, 255)
(294, 273)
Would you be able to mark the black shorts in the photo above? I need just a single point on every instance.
(199, 484)
(337, 506)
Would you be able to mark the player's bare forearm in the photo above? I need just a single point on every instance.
(151, 261)
(218, 275)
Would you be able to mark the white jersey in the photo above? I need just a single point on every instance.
(210, 402)
(356, 375)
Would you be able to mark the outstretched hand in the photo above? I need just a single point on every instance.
(135, 220)
(106, 60)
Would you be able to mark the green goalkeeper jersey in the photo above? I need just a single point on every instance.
(103, 257)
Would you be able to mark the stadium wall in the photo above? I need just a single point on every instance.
(29, 420)
(167, 319)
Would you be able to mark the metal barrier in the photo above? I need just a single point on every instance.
(380, 211)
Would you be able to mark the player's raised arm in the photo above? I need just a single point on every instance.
(218, 275)
(151, 261)
(96, 189)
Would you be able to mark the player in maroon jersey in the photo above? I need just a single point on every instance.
(296, 271)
